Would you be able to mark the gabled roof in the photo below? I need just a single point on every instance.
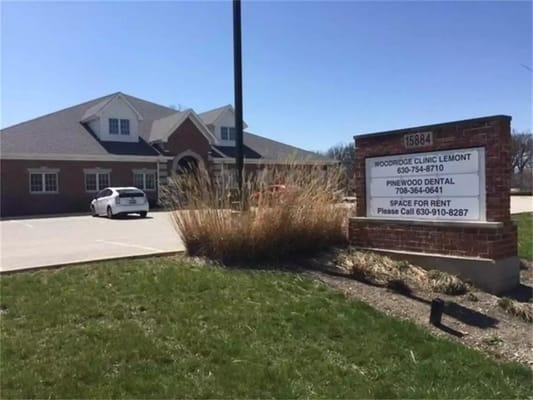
(212, 116)
(162, 128)
(63, 133)
(94, 111)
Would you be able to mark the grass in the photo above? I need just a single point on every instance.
(525, 235)
(169, 327)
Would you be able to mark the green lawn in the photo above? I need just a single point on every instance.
(162, 327)
(525, 235)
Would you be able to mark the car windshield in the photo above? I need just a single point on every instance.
(130, 193)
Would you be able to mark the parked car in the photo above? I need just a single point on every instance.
(114, 201)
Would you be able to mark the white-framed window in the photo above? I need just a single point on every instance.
(113, 126)
(144, 179)
(97, 179)
(124, 126)
(227, 133)
(44, 180)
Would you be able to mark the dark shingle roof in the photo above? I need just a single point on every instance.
(231, 151)
(62, 132)
(140, 148)
(273, 150)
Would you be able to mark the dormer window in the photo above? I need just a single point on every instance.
(124, 126)
(227, 133)
(113, 126)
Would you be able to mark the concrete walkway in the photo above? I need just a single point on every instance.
(44, 242)
(520, 204)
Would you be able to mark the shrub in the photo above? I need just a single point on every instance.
(287, 211)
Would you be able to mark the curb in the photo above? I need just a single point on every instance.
(93, 261)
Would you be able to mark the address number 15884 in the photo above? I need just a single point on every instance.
(418, 139)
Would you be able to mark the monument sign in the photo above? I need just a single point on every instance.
(439, 196)
(440, 185)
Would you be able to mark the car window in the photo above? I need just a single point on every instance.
(130, 193)
(108, 192)
(100, 194)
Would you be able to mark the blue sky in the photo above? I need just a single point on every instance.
(315, 73)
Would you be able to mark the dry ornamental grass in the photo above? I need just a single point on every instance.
(524, 311)
(288, 211)
(386, 271)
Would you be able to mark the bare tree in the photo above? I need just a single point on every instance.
(521, 153)
(345, 153)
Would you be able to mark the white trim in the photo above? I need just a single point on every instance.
(227, 108)
(83, 157)
(157, 183)
(120, 96)
(186, 153)
(144, 172)
(97, 172)
(42, 172)
(139, 115)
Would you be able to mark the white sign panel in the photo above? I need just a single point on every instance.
(439, 185)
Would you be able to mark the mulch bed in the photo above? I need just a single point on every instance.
(474, 318)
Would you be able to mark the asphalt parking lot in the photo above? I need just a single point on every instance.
(40, 242)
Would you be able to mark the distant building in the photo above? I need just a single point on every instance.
(58, 162)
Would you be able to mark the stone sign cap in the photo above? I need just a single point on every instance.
(433, 126)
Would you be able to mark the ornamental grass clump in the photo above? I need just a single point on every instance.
(398, 275)
(524, 311)
(287, 211)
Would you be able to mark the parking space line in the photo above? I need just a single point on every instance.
(128, 245)
(22, 223)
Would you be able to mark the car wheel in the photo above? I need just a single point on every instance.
(109, 212)
(143, 214)
(93, 211)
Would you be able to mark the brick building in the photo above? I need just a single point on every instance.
(56, 163)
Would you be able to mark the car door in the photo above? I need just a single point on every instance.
(107, 194)
(98, 203)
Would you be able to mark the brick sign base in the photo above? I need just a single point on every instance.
(483, 252)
